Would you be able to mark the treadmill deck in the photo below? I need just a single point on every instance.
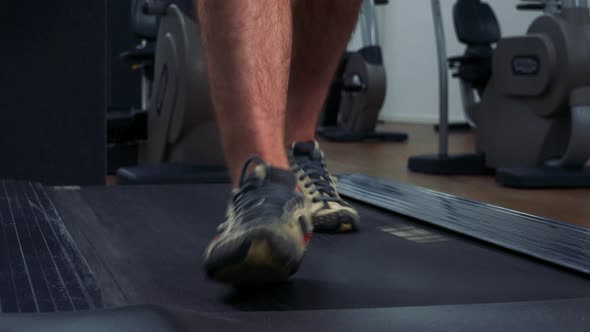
(144, 245)
(147, 243)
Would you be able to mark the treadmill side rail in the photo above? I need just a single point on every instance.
(556, 242)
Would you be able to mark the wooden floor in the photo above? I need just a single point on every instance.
(388, 160)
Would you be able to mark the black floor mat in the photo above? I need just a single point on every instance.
(145, 245)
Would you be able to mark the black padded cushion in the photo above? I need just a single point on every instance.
(475, 23)
(144, 26)
(187, 7)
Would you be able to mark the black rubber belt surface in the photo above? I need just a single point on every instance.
(556, 242)
(150, 241)
(41, 269)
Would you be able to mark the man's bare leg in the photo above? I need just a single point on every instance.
(267, 227)
(248, 52)
(321, 30)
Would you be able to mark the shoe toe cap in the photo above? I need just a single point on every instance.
(344, 220)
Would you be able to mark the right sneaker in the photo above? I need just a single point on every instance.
(266, 231)
(329, 212)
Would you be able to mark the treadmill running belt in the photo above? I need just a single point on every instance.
(145, 245)
(41, 269)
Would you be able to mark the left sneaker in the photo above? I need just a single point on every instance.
(329, 212)
(266, 231)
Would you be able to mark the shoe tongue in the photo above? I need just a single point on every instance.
(274, 175)
(303, 148)
(282, 176)
(307, 149)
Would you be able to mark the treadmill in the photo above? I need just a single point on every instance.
(129, 258)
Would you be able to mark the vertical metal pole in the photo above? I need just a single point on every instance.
(551, 7)
(368, 23)
(574, 3)
(439, 33)
(468, 100)
(145, 92)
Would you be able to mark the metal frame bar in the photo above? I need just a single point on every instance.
(441, 47)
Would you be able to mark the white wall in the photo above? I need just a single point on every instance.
(409, 49)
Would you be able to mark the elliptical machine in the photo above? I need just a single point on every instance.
(181, 143)
(533, 114)
(357, 94)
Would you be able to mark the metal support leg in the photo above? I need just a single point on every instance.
(439, 33)
(468, 100)
(442, 163)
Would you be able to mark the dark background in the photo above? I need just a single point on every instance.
(60, 75)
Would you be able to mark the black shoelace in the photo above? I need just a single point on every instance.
(315, 169)
(241, 201)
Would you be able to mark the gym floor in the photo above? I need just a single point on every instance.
(389, 161)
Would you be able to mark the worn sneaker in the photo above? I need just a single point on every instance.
(266, 231)
(329, 212)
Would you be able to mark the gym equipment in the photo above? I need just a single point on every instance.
(181, 141)
(351, 112)
(91, 252)
(178, 145)
(531, 117)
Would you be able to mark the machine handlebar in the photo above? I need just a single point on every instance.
(545, 5)
(531, 6)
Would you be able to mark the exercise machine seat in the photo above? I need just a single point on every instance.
(144, 26)
(476, 26)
